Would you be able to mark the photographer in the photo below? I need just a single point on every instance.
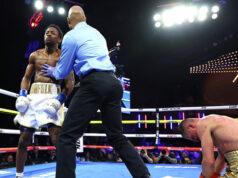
(185, 159)
(144, 155)
(166, 157)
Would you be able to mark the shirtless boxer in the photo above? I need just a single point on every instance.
(221, 132)
(43, 106)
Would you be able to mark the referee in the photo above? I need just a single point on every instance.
(84, 49)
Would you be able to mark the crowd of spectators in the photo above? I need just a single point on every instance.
(105, 155)
(7, 160)
(148, 156)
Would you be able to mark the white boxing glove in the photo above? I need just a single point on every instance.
(52, 106)
(22, 102)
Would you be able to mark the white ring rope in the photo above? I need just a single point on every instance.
(16, 132)
(8, 93)
(198, 108)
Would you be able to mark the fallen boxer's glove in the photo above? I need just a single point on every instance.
(214, 175)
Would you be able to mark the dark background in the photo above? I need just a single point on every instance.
(156, 60)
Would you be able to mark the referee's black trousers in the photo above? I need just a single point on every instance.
(98, 90)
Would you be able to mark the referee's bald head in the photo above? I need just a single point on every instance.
(75, 15)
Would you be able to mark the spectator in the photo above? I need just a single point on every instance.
(185, 158)
(51, 156)
(178, 156)
(117, 158)
(29, 159)
(145, 156)
(166, 157)
(155, 157)
(10, 160)
(3, 162)
(196, 157)
(111, 157)
(101, 156)
(88, 156)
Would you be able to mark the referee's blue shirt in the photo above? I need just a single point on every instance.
(84, 49)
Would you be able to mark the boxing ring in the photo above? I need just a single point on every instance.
(116, 170)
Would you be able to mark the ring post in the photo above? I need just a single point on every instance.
(157, 128)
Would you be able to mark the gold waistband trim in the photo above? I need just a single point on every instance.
(45, 88)
(232, 157)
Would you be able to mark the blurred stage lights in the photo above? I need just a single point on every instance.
(61, 10)
(50, 9)
(157, 24)
(185, 14)
(215, 9)
(41, 4)
(156, 17)
(214, 16)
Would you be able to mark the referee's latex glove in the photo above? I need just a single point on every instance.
(48, 70)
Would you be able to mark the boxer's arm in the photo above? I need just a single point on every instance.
(30, 69)
(22, 101)
(208, 161)
(69, 84)
(220, 163)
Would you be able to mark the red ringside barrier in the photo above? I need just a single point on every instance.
(31, 148)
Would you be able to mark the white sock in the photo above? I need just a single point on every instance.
(19, 174)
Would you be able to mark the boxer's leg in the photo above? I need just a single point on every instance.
(54, 132)
(21, 155)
